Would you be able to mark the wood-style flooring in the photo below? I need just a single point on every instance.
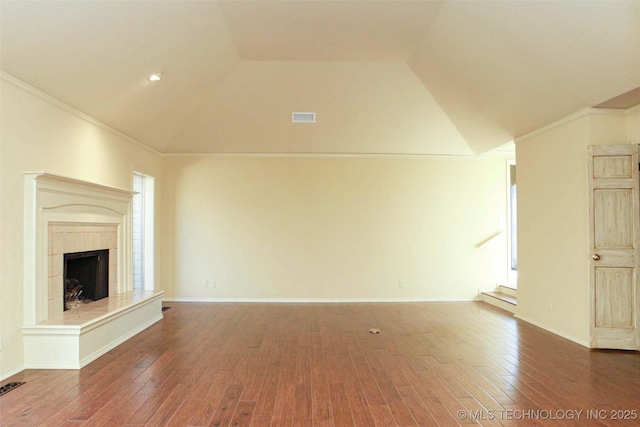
(446, 364)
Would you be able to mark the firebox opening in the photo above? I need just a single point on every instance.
(86, 277)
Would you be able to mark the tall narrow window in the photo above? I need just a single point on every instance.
(512, 214)
(142, 227)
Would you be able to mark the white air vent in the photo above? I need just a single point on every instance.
(303, 117)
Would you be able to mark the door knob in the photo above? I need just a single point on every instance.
(595, 257)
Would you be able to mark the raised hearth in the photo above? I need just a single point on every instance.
(78, 337)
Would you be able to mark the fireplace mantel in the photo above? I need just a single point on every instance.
(56, 199)
(48, 336)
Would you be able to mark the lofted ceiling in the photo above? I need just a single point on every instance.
(402, 77)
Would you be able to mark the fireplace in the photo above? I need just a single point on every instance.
(65, 216)
(86, 277)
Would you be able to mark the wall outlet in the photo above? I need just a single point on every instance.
(205, 284)
(212, 283)
(401, 284)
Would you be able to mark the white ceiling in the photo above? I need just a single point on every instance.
(408, 77)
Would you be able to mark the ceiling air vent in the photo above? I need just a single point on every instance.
(303, 117)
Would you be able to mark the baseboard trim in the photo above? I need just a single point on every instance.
(497, 301)
(11, 372)
(314, 300)
(577, 340)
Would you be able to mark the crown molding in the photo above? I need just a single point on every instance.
(577, 115)
(8, 78)
(332, 155)
(4, 76)
(633, 109)
(92, 120)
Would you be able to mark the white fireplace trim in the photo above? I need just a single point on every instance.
(76, 342)
(56, 199)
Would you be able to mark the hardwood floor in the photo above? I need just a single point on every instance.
(443, 364)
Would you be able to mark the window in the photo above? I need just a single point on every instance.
(142, 227)
(512, 224)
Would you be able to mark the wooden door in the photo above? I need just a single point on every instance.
(614, 257)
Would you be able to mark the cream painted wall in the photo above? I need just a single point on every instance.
(40, 136)
(553, 240)
(333, 228)
(633, 125)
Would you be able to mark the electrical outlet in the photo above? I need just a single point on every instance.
(401, 284)
(205, 284)
(212, 283)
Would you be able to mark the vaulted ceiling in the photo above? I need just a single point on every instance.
(406, 77)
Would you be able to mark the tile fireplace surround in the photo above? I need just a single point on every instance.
(64, 215)
(64, 239)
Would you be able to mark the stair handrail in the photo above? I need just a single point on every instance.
(486, 242)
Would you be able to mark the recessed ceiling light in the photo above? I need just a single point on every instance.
(155, 77)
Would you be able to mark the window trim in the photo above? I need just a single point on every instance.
(512, 234)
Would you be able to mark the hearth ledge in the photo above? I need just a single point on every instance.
(80, 336)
